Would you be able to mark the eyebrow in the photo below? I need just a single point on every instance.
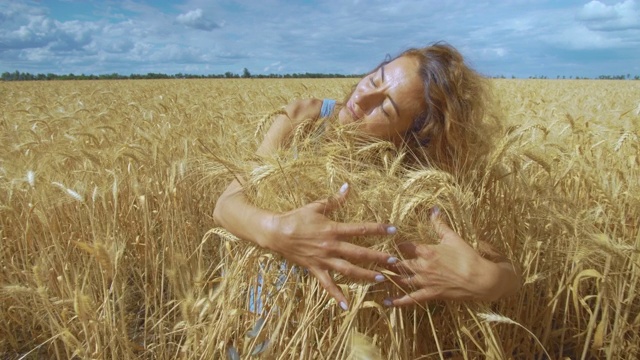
(395, 106)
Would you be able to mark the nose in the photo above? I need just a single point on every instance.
(368, 99)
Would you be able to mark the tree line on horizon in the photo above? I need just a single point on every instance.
(563, 77)
(25, 76)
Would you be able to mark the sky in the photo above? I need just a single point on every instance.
(520, 38)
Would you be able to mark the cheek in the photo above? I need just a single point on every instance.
(380, 127)
(390, 131)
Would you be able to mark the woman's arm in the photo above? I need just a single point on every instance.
(305, 235)
(232, 210)
(453, 270)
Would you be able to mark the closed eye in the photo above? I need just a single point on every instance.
(383, 111)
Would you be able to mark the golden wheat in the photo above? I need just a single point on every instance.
(108, 249)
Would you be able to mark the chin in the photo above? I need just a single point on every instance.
(343, 116)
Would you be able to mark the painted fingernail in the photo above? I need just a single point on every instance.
(387, 302)
(343, 188)
(392, 260)
(379, 278)
(435, 212)
(391, 230)
(344, 306)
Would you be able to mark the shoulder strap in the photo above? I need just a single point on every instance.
(327, 107)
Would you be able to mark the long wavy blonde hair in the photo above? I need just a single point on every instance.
(461, 121)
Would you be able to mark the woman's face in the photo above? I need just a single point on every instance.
(385, 102)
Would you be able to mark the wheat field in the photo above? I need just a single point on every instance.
(108, 248)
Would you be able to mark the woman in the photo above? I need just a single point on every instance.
(426, 98)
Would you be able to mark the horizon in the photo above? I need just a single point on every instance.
(12, 76)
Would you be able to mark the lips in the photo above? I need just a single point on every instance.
(352, 112)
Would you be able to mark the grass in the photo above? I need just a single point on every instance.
(108, 249)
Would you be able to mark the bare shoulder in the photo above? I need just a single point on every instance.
(297, 112)
(303, 109)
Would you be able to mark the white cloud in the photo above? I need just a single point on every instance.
(277, 66)
(118, 46)
(595, 10)
(26, 31)
(601, 17)
(581, 38)
(72, 35)
(197, 20)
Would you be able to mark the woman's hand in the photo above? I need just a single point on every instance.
(451, 270)
(306, 236)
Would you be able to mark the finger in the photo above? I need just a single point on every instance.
(415, 298)
(411, 281)
(362, 254)
(409, 266)
(330, 287)
(331, 203)
(445, 233)
(355, 272)
(408, 249)
(338, 199)
(348, 230)
(398, 271)
(441, 228)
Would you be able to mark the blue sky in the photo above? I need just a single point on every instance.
(520, 37)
